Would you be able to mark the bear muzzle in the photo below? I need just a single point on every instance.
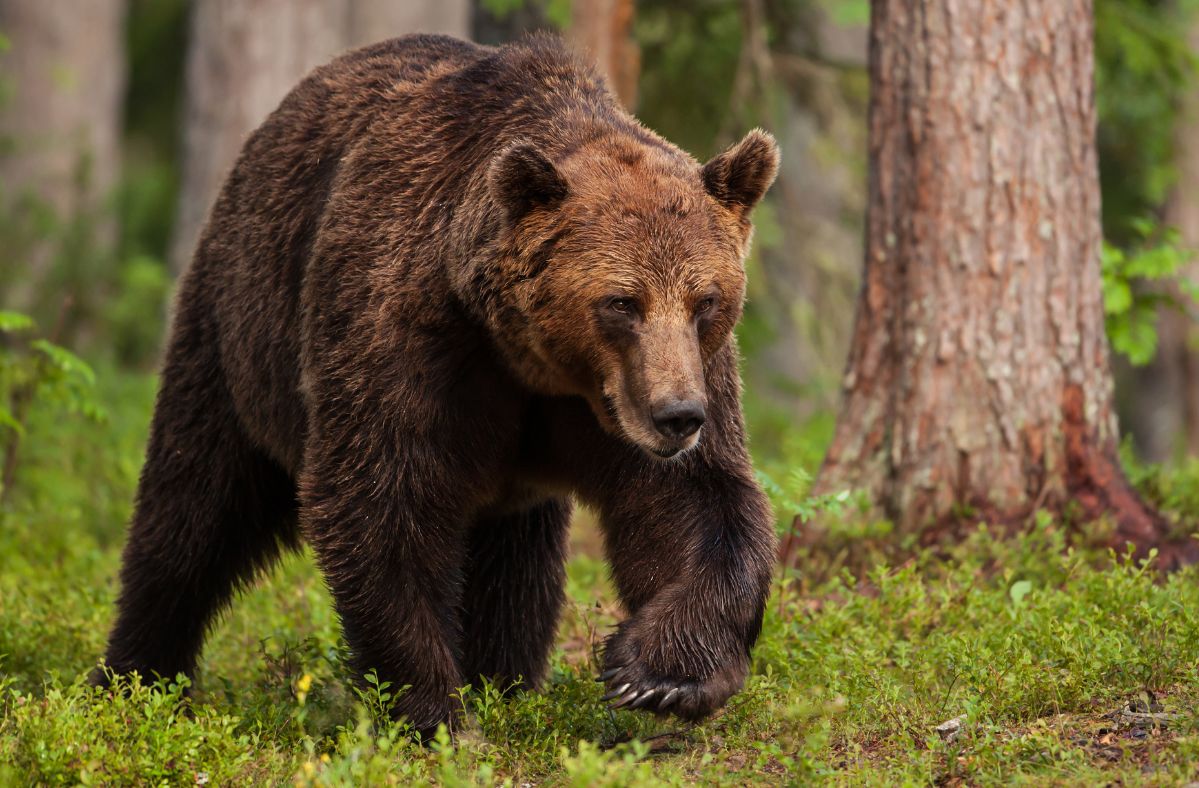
(678, 419)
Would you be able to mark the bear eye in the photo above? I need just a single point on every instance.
(705, 305)
(622, 306)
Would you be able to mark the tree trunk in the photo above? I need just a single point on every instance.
(60, 115)
(978, 378)
(602, 30)
(374, 20)
(243, 57)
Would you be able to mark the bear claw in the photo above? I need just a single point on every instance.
(616, 692)
(643, 699)
(629, 697)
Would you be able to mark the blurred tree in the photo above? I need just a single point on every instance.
(814, 92)
(978, 383)
(245, 55)
(1163, 413)
(603, 30)
(375, 20)
(60, 124)
(1179, 341)
(1144, 74)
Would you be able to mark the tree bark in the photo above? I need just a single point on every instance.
(60, 117)
(374, 20)
(978, 380)
(602, 30)
(243, 57)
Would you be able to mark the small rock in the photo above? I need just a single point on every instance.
(951, 729)
(1152, 718)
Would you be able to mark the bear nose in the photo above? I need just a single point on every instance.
(678, 420)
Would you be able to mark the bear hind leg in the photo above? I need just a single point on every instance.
(516, 573)
(211, 511)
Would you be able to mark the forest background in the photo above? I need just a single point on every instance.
(118, 120)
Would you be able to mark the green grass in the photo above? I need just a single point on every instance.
(1038, 646)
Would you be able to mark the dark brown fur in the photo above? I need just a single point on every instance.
(442, 291)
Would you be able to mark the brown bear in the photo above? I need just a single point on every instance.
(445, 288)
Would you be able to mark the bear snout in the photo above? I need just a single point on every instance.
(678, 419)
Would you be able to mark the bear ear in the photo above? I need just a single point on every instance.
(742, 174)
(522, 178)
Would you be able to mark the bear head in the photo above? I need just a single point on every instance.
(618, 275)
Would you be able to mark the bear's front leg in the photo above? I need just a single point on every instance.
(691, 544)
(694, 576)
(390, 542)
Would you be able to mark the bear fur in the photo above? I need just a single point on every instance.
(445, 288)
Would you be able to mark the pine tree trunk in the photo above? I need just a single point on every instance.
(375, 20)
(602, 29)
(243, 57)
(60, 112)
(978, 377)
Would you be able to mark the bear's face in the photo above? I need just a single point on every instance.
(624, 275)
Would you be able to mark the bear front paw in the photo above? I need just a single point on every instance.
(689, 679)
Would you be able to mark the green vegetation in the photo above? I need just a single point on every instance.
(1067, 665)
(1140, 281)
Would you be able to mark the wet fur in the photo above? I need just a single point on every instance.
(387, 344)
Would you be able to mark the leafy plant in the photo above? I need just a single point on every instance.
(791, 496)
(377, 698)
(1138, 283)
(36, 371)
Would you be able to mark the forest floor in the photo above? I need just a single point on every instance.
(1060, 666)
